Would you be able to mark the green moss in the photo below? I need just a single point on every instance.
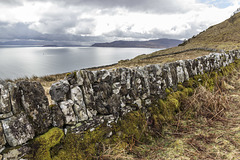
(167, 91)
(72, 73)
(52, 105)
(44, 143)
(131, 125)
(180, 87)
(67, 74)
(87, 145)
(131, 129)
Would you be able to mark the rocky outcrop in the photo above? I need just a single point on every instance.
(85, 99)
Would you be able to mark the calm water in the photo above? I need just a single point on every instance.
(18, 62)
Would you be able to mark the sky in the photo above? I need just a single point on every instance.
(91, 21)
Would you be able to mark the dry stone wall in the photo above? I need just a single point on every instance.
(88, 98)
(85, 99)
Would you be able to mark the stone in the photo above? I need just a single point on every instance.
(113, 104)
(59, 90)
(57, 116)
(116, 87)
(2, 137)
(16, 153)
(106, 76)
(34, 102)
(87, 88)
(71, 78)
(67, 109)
(12, 88)
(18, 129)
(6, 115)
(5, 106)
(12, 154)
(138, 102)
(180, 74)
(79, 78)
(79, 104)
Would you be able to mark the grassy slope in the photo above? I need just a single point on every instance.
(225, 35)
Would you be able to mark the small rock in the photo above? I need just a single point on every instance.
(18, 130)
(12, 154)
(139, 103)
(59, 90)
(57, 116)
(110, 134)
(67, 109)
(7, 115)
(79, 105)
(4, 100)
(16, 153)
(2, 138)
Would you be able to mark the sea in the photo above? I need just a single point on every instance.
(28, 61)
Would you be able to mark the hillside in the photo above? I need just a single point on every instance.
(158, 43)
(225, 35)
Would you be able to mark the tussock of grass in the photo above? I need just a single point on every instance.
(211, 105)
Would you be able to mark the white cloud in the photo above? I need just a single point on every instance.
(116, 19)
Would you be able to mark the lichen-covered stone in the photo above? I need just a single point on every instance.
(6, 115)
(59, 90)
(33, 100)
(57, 116)
(2, 137)
(16, 153)
(18, 130)
(12, 88)
(67, 109)
(5, 106)
(79, 105)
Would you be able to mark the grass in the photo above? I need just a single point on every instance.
(207, 126)
(211, 130)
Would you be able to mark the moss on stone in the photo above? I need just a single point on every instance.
(44, 143)
(87, 145)
(131, 128)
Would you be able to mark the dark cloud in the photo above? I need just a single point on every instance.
(11, 3)
(16, 31)
(22, 32)
(156, 6)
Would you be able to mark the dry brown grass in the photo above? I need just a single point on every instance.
(211, 105)
(212, 132)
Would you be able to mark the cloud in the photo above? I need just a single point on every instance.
(22, 32)
(16, 31)
(11, 3)
(151, 6)
(90, 21)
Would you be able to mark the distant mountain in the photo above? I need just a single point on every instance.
(158, 43)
